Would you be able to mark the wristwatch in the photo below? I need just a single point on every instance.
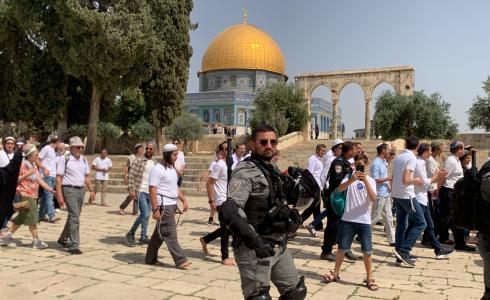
(154, 209)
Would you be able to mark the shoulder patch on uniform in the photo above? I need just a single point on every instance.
(234, 187)
(338, 169)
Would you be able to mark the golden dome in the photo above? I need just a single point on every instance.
(244, 46)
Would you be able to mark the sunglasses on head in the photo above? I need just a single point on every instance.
(265, 142)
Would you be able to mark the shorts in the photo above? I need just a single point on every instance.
(347, 232)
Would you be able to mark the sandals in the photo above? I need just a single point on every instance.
(371, 285)
(184, 266)
(328, 278)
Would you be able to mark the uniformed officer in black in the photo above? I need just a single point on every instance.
(259, 239)
(339, 168)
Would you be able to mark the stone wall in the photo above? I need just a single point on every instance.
(480, 141)
(290, 139)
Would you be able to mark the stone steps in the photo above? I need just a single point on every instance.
(193, 181)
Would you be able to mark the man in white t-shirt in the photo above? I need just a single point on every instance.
(8, 151)
(102, 165)
(421, 193)
(239, 154)
(164, 193)
(179, 164)
(138, 186)
(408, 209)
(217, 188)
(455, 172)
(48, 159)
(356, 218)
(315, 166)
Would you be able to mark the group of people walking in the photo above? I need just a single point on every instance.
(355, 193)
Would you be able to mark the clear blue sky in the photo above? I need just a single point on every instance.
(448, 42)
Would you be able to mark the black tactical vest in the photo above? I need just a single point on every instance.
(271, 214)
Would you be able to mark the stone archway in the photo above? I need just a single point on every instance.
(401, 78)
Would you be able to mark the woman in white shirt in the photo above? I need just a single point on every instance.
(164, 193)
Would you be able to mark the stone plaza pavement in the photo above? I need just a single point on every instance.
(108, 269)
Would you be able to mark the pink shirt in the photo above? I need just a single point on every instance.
(29, 186)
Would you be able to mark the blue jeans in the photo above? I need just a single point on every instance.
(319, 218)
(429, 230)
(46, 201)
(144, 205)
(408, 211)
(347, 232)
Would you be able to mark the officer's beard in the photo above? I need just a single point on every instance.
(266, 157)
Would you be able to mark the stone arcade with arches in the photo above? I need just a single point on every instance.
(400, 78)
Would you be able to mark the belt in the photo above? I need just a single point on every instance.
(72, 186)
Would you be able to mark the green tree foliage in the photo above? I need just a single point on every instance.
(130, 108)
(108, 42)
(281, 106)
(143, 129)
(424, 116)
(166, 88)
(186, 127)
(479, 113)
(32, 82)
(78, 130)
(106, 129)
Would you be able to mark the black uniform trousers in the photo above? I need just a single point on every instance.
(330, 236)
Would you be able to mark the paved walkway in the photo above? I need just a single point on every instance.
(108, 269)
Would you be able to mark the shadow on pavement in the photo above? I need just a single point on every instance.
(113, 240)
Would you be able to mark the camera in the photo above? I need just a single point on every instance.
(360, 168)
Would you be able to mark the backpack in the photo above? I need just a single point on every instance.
(337, 200)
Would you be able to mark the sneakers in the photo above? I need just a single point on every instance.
(38, 244)
(311, 230)
(57, 210)
(327, 256)
(405, 259)
(75, 251)
(144, 241)
(130, 239)
(7, 241)
(350, 257)
(54, 220)
(444, 253)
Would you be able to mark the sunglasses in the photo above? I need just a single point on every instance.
(77, 147)
(149, 149)
(265, 142)
(176, 143)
